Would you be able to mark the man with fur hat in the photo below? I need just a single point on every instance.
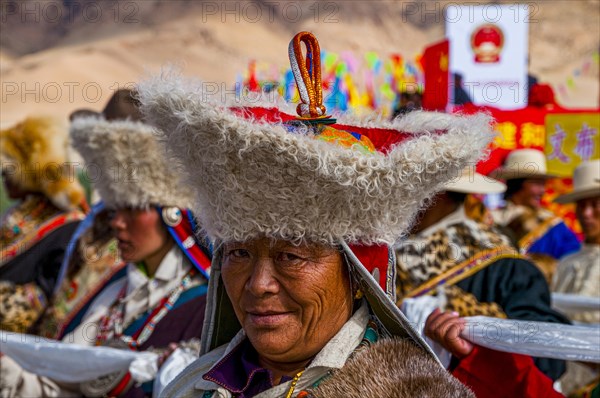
(160, 300)
(471, 264)
(303, 211)
(579, 273)
(34, 233)
(536, 231)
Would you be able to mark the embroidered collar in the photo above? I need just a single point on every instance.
(169, 269)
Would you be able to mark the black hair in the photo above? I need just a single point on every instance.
(457, 197)
(124, 104)
(513, 186)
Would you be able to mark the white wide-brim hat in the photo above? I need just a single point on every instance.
(470, 181)
(586, 183)
(523, 163)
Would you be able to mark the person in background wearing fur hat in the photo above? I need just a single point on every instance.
(472, 264)
(303, 211)
(92, 260)
(34, 233)
(161, 299)
(579, 273)
(537, 232)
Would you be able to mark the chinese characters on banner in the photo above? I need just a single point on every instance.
(572, 138)
(522, 128)
(567, 138)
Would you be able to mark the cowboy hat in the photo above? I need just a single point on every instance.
(586, 183)
(523, 163)
(470, 181)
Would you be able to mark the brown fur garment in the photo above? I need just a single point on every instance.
(34, 156)
(391, 368)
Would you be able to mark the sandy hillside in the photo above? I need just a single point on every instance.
(81, 67)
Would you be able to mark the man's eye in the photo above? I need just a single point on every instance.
(238, 253)
(288, 257)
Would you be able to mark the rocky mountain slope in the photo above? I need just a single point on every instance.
(56, 56)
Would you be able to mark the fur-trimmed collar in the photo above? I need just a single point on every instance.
(391, 368)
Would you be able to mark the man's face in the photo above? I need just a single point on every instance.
(588, 214)
(290, 300)
(530, 194)
(139, 232)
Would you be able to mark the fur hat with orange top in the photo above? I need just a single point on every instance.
(259, 171)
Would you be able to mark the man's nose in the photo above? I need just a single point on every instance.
(262, 280)
(587, 210)
(117, 221)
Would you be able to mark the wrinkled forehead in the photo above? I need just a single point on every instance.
(376, 260)
(274, 246)
(263, 241)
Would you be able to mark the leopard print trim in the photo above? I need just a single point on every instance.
(467, 304)
(420, 259)
(20, 306)
(526, 225)
(463, 270)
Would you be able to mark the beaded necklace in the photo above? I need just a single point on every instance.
(111, 325)
(371, 336)
(293, 384)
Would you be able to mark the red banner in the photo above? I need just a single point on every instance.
(526, 128)
(521, 128)
(436, 61)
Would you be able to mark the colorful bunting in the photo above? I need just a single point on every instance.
(350, 82)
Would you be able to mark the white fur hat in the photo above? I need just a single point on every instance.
(586, 183)
(256, 178)
(127, 164)
(470, 181)
(523, 163)
(258, 171)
